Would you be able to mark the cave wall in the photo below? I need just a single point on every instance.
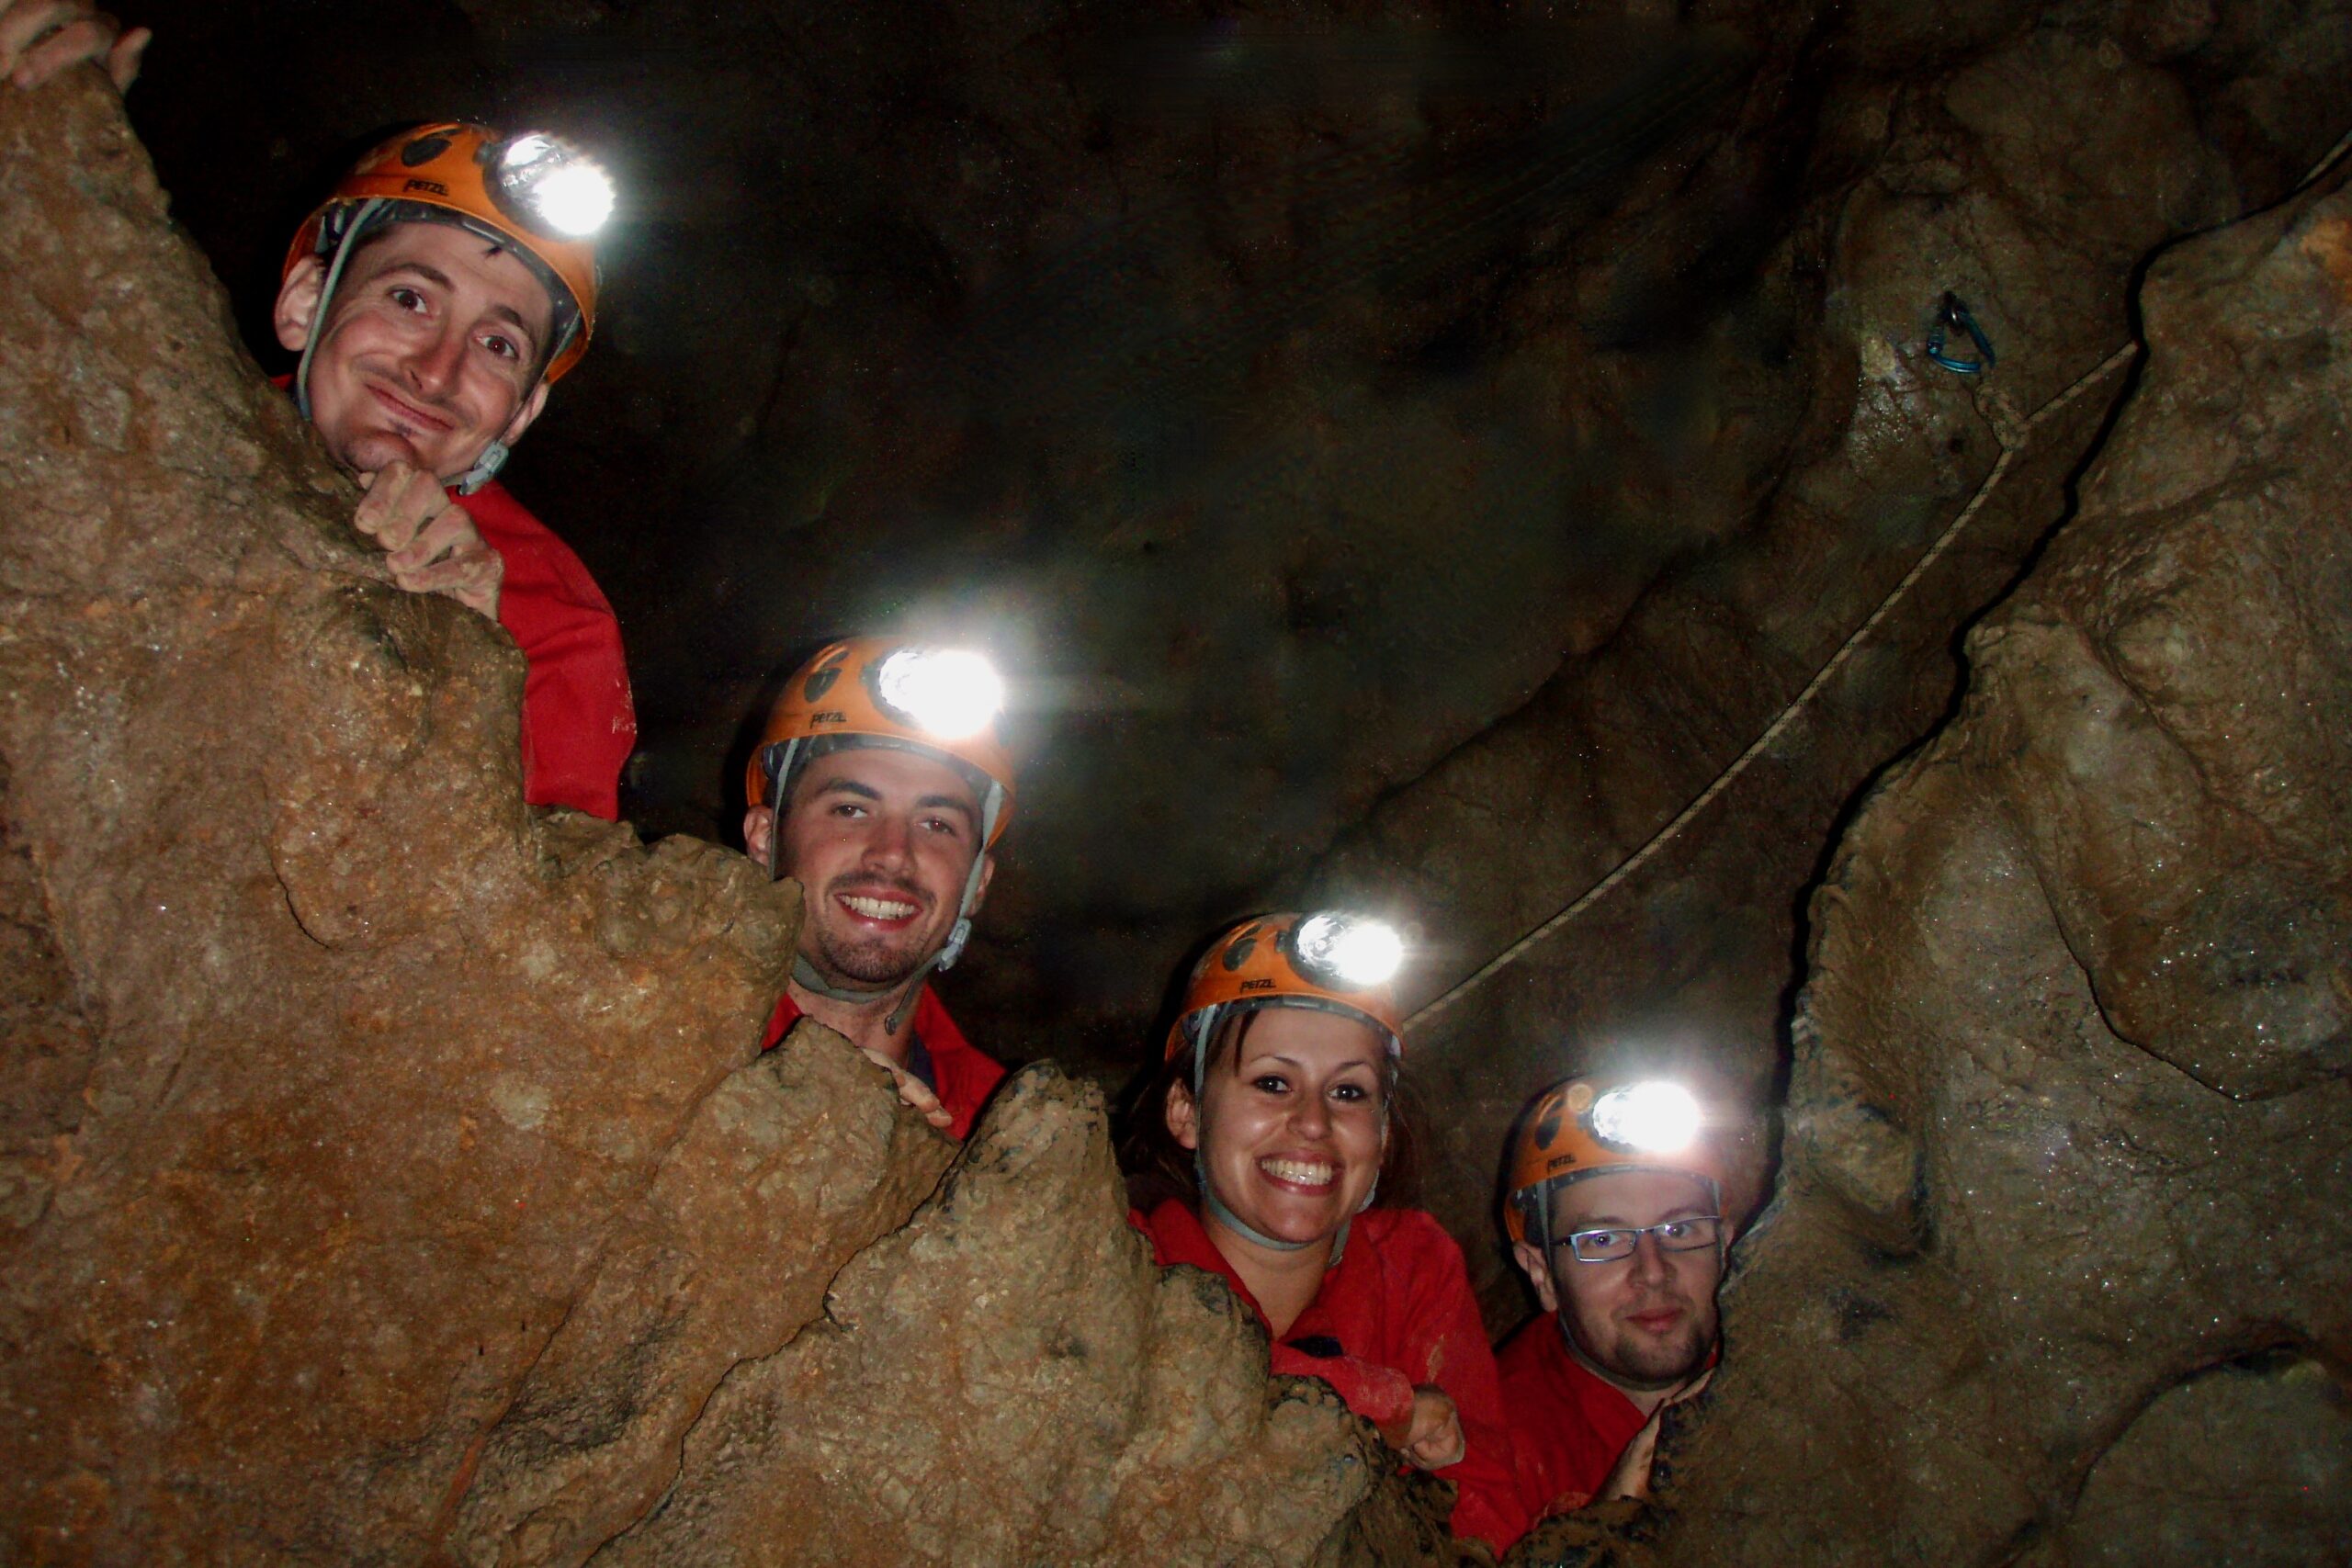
(2031, 163)
(2055, 1272)
(1313, 463)
(1720, 332)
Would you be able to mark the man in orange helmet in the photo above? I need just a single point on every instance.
(880, 783)
(434, 298)
(1615, 1212)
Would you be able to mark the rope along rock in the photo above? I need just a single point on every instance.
(2013, 433)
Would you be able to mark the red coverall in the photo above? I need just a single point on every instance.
(1568, 1424)
(579, 723)
(1396, 1312)
(955, 1069)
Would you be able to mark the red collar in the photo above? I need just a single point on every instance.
(932, 1025)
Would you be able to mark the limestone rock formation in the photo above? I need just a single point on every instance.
(388, 1172)
(336, 1074)
(2070, 1120)
(1007, 1378)
(2022, 164)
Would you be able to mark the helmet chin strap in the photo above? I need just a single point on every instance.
(1236, 1224)
(805, 976)
(493, 457)
(1247, 1232)
(359, 222)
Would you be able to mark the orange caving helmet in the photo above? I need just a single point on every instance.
(1341, 962)
(884, 692)
(1582, 1127)
(532, 192)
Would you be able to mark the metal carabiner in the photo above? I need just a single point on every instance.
(1953, 314)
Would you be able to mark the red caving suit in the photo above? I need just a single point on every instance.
(957, 1071)
(1568, 1424)
(1396, 1312)
(579, 722)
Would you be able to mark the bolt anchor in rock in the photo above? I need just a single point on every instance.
(1953, 320)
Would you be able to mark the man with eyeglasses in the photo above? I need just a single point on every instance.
(1615, 1214)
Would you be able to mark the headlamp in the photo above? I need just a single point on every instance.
(1655, 1118)
(943, 692)
(1350, 951)
(551, 185)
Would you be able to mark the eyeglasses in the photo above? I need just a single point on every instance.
(1687, 1235)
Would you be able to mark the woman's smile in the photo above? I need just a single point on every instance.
(1293, 1122)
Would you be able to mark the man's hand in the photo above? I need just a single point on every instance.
(434, 547)
(915, 1092)
(1631, 1476)
(1430, 1434)
(40, 38)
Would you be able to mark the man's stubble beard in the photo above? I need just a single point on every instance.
(1658, 1367)
(878, 962)
(1671, 1364)
(374, 452)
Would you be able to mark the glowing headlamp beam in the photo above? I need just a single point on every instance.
(561, 188)
(1655, 1117)
(949, 692)
(1351, 949)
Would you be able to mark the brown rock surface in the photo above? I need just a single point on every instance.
(2247, 1465)
(390, 1171)
(386, 1172)
(2070, 1119)
(335, 1073)
(1008, 1379)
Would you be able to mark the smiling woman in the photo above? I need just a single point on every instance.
(1264, 1137)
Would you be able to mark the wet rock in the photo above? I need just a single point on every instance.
(2069, 1114)
(2248, 1464)
(2032, 175)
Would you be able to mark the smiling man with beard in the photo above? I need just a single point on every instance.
(881, 784)
(1615, 1215)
